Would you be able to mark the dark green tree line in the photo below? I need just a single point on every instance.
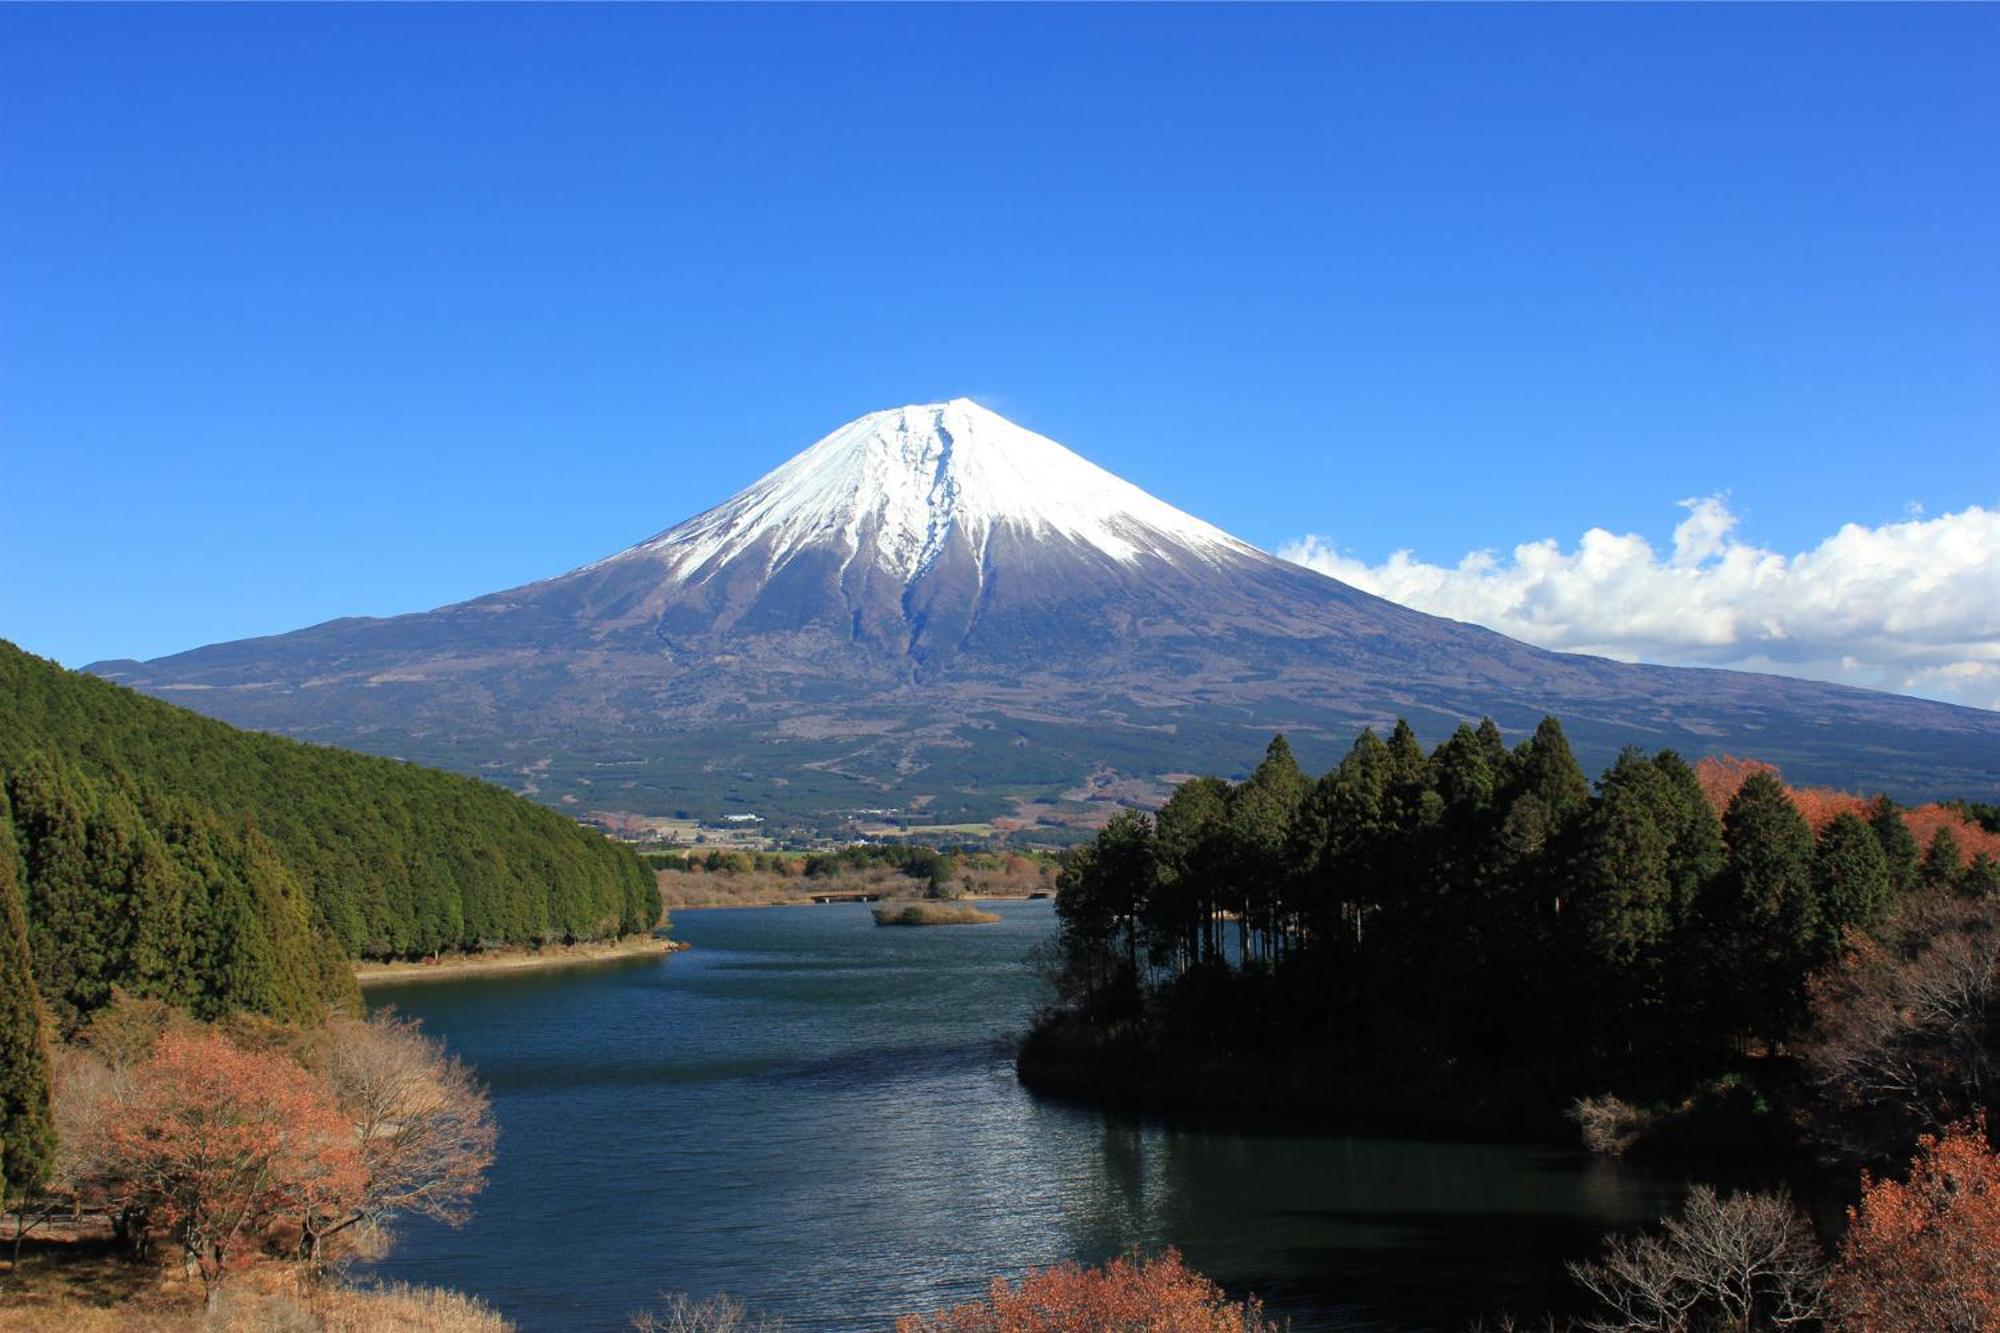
(1476, 908)
(180, 858)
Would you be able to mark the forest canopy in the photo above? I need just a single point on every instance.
(180, 858)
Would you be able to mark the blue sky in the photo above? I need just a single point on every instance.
(318, 311)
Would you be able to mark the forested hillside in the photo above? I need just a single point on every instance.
(179, 857)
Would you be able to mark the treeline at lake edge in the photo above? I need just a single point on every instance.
(1796, 986)
(1474, 940)
(217, 869)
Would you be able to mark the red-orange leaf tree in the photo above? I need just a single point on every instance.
(217, 1143)
(1133, 1295)
(1923, 1255)
(1721, 776)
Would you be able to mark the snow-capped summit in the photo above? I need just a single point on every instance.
(895, 487)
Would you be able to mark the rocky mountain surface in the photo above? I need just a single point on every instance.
(933, 609)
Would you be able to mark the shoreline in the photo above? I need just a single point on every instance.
(814, 902)
(514, 960)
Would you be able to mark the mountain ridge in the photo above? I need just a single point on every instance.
(934, 604)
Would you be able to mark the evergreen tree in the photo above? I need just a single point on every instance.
(1850, 883)
(1358, 838)
(1982, 878)
(1766, 916)
(1548, 788)
(67, 928)
(27, 1125)
(1261, 812)
(1409, 803)
(1941, 863)
(1462, 773)
(1191, 838)
(1625, 888)
(163, 928)
(1899, 845)
(1624, 898)
(1494, 746)
(1696, 853)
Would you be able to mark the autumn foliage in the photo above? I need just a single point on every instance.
(216, 1144)
(1129, 1295)
(250, 1136)
(1721, 777)
(1923, 1255)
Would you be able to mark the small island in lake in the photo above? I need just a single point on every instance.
(931, 914)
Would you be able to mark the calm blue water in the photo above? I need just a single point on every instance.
(820, 1117)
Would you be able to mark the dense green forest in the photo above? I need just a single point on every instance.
(177, 857)
(1474, 936)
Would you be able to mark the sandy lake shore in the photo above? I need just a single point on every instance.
(513, 960)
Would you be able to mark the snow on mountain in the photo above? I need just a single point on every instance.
(894, 486)
(934, 607)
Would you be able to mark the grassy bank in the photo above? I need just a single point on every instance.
(76, 1280)
(931, 914)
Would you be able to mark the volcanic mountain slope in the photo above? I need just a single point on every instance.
(935, 608)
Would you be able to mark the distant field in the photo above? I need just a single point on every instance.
(985, 875)
(918, 830)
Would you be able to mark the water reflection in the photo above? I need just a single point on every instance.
(820, 1117)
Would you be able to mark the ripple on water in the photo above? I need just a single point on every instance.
(820, 1117)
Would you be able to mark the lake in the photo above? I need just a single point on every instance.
(819, 1116)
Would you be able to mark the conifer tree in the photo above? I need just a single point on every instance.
(1899, 846)
(1190, 835)
(1261, 812)
(1356, 854)
(1766, 915)
(1409, 803)
(1850, 883)
(1696, 856)
(1548, 794)
(66, 921)
(27, 1126)
(1494, 745)
(1462, 771)
(163, 929)
(1942, 861)
(1624, 898)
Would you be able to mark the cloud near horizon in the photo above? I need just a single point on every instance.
(1912, 607)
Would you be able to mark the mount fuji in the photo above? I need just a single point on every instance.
(937, 610)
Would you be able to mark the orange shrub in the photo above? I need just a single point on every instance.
(217, 1143)
(1924, 1254)
(1130, 1295)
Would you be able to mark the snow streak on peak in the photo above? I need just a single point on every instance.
(898, 484)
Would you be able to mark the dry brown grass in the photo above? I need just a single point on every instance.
(100, 1292)
(925, 913)
(993, 876)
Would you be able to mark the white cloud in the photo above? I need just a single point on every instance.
(1912, 607)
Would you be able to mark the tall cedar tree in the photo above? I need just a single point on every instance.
(1850, 883)
(1624, 903)
(1766, 910)
(1260, 821)
(27, 1125)
(1899, 845)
